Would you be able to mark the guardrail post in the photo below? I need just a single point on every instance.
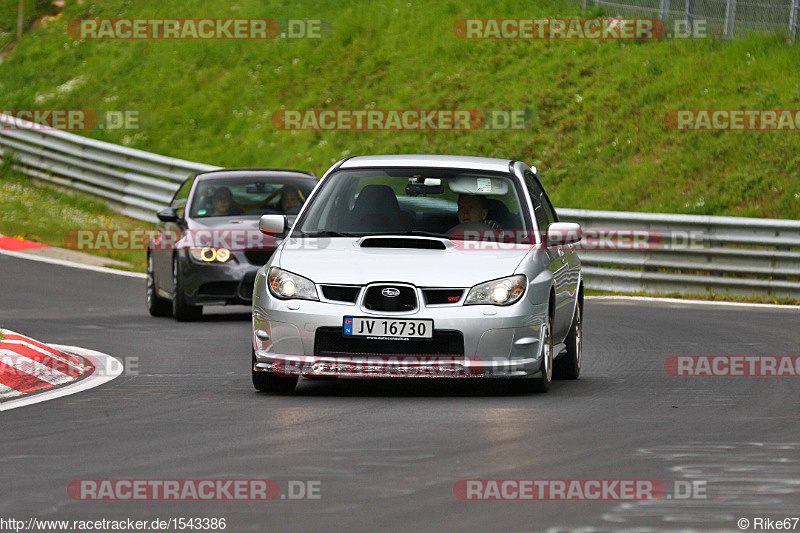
(690, 12)
(664, 10)
(793, 18)
(730, 17)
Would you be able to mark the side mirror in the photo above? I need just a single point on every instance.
(560, 233)
(168, 215)
(272, 224)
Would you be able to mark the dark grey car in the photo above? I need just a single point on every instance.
(209, 248)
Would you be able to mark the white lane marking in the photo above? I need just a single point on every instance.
(106, 369)
(695, 302)
(36, 369)
(51, 354)
(61, 262)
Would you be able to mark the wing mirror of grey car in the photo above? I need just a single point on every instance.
(272, 224)
(168, 215)
(560, 233)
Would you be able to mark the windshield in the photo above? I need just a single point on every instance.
(249, 196)
(410, 201)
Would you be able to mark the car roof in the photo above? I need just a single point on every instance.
(432, 161)
(265, 172)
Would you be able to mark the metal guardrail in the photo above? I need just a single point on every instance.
(134, 182)
(698, 254)
(694, 254)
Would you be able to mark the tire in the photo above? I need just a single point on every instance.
(569, 365)
(156, 305)
(269, 382)
(541, 383)
(182, 311)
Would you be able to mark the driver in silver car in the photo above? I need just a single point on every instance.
(472, 212)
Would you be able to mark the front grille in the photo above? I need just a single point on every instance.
(331, 342)
(258, 257)
(406, 300)
(442, 296)
(218, 288)
(341, 293)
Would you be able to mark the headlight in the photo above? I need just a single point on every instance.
(503, 291)
(208, 255)
(287, 286)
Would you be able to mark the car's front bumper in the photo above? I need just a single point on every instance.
(218, 283)
(497, 341)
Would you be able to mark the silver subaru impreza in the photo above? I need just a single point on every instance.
(421, 266)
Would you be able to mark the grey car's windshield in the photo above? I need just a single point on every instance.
(249, 196)
(411, 201)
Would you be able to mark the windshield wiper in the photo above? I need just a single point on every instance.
(326, 233)
(417, 234)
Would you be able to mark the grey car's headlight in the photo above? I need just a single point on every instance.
(504, 291)
(208, 254)
(287, 286)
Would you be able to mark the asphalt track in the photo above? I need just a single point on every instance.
(387, 453)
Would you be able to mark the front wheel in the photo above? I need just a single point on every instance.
(156, 305)
(542, 382)
(569, 365)
(269, 382)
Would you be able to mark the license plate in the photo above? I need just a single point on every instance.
(390, 328)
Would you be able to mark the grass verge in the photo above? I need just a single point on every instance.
(43, 214)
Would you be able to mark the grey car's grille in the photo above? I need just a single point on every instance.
(341, 293)
(376, 300)
(258, 257)
(218, 288)
(330, 341)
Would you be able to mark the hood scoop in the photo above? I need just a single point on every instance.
(403, 242)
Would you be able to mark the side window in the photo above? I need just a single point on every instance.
(548, 208)
(539, 201)
(179, 200)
